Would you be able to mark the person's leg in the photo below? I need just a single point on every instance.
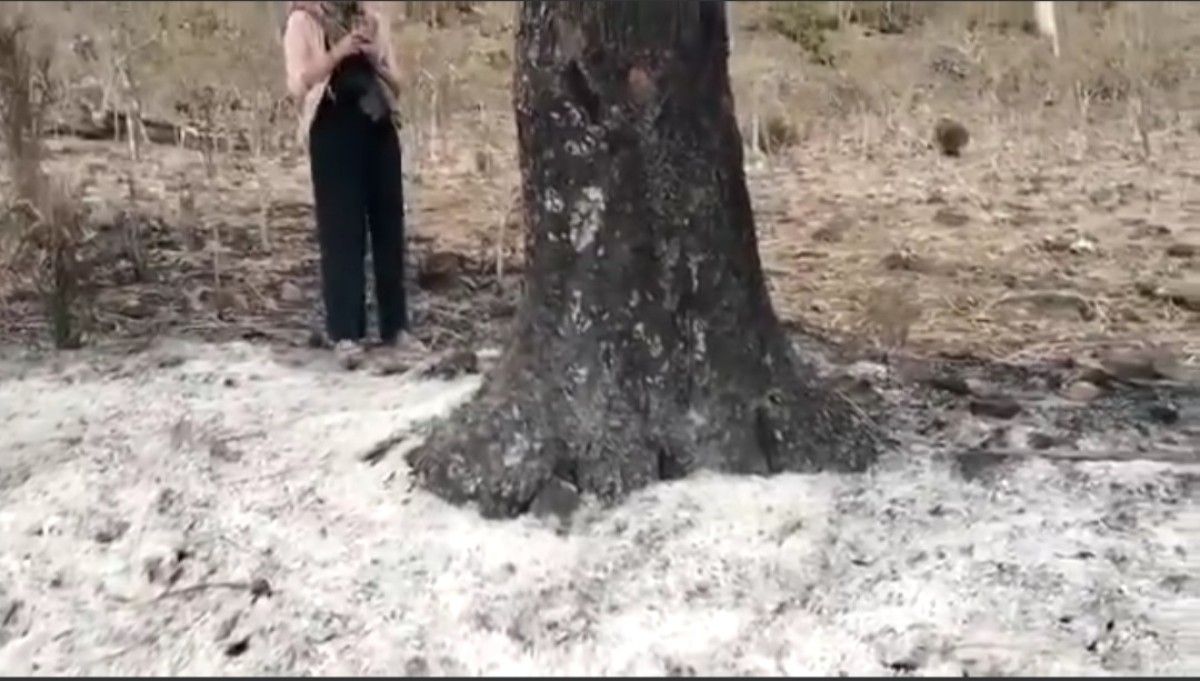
(385, 215)
(335, 155)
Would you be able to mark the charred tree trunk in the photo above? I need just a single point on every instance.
(646, 347)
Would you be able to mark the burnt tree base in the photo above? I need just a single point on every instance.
(646, 347)
(764, 414)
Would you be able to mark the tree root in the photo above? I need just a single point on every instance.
(502, 449)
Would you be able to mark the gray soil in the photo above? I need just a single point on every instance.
(203, 509)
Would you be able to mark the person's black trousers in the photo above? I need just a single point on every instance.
(357, 188)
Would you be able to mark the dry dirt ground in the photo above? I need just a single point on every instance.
(1025, 247)
(192, 500)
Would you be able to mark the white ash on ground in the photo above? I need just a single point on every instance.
(203, 509)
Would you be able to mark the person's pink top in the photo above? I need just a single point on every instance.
(304, 42)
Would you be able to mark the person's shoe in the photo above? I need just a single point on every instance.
(406, 343)
(399, 354)
(349, 354)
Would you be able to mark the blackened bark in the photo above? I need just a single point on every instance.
(646, 346)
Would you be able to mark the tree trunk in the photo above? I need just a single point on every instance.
(646, 346)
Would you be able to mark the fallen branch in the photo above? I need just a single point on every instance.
(375, 453)
(257, 588)
(1179, 455)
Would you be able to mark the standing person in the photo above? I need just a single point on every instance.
(341, 70)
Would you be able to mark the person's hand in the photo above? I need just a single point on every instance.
(371, 51)
(368, 26)
(354, 42)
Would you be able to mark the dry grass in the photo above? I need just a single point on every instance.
(42, 227)
(1076, 181)
(27, 91)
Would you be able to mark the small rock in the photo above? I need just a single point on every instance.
(869, 373)
(221, 451)
(1041, 441)
(1082, 245)
(906, 651)
(290, 293)
(166, 500)
(1058, 243)
(390, 366)
(1082, 391)
(951, 383)
(15, 620)
(1185, 293)
(675, 669)
(1164, 413)
(416, 666)
(995, 406)
(238, 647)
(9, 611)
(907, 261)
(317, 340)
(1135, 364)
(1074, 243)
(136, 309)
(454, 364)
(949, 217)
(950, 137)
(171, 361)
(1146, 229)
(1148, 289)
(980, 465)
(833, 231)
(112, 532)
(1175, 582)
(1182, 249)
(260, 588)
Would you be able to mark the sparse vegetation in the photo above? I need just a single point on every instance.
(28, 91)
(42, 224)
(806, 24)
(218, 193)
(1003, 304)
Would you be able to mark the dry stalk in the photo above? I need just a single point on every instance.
(215, 251)
(510, 213)
(755, 123)
(435, 138)
(1139, 119)
(207, 106)
(189, 219)
(130, 114)
(131, 231)
(262, 116)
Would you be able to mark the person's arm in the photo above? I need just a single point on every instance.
(385, 57)
(305, 62)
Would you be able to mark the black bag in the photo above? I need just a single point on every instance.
(355, 80)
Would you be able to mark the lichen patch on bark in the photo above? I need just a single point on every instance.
(587, 217)
(641, 86)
